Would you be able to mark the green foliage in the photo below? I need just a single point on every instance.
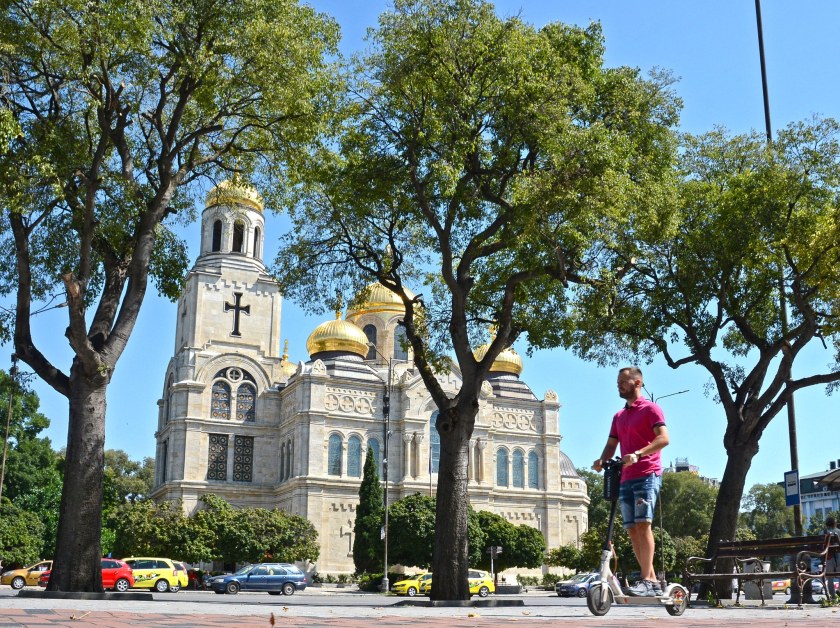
(568, 556)
(21, 535)
(687, 504)
(522, 545)
(765, 512)
(144, 528)
(816, 524)
(368, 547)
(599, 508)
(43, 502)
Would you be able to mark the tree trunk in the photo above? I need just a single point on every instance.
(728, 505)
(450, 561)
(78, 549)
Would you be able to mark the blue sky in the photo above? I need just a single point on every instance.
(711, 46)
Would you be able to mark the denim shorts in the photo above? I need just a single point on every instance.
(638, 499)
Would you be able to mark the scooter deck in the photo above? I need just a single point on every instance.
(663, 600)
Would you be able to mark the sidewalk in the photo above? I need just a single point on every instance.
(254, 610)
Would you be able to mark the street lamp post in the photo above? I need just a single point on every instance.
(386, 415)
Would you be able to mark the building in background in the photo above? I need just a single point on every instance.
(681, 465)
(237, 418)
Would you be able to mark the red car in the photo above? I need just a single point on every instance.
(116, 575)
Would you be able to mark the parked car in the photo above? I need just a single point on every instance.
(577, 586)
(426, 584)
(781, 586)
(481, 583)
(183, 576)
(409, 586)
(159, 574)
(274, 578)
(28, 576)
(116, 575)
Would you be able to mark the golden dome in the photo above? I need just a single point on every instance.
(337, 335)
(234, 192)
(376, 298)
(508, 361)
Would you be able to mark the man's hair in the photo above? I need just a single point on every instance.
(634, 372)
(830, 522)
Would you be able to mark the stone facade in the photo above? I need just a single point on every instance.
(239, 420)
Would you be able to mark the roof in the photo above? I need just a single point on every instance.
(567, 469)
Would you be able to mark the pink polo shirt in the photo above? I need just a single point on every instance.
(633, 427)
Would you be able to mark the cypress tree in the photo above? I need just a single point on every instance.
(368, 547)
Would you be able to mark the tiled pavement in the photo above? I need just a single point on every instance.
(252, 610)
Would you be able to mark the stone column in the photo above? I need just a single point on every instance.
(406, 456)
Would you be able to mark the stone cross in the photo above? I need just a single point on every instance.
(237, 308)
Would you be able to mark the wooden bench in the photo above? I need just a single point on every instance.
(743, 561)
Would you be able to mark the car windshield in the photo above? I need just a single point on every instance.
(581, 577)
(244, 570)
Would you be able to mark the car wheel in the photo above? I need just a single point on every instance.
(288, 588)
(121, 585)
(411, 592)
(558, 594)
(18, 582)
(161, 586)
(232, 588)
(787, 591)
(175, 588)
(483, 592)
(581, 592)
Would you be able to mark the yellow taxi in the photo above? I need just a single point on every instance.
(410, 586)
(159, 574)
(28, 576)
(481, 583)
(781, 586)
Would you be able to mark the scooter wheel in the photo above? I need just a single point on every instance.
(598, 606)
(679, 596)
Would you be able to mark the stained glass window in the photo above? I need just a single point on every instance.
(220, 406)
(533, 470)
(217, 457)
(243, 458)
(354, 457)
(434, 444)
(334, 455)
(245, 395)
(502, 467)
(518, 468)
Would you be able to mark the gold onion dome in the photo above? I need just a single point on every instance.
(508, 361)
(234, 192)
(288, 368)
(376, 298)
(337, 335)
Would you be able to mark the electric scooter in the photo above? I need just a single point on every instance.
(603, 593)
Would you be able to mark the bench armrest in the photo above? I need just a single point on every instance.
(691, 564)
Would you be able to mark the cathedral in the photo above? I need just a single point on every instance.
(239, 419)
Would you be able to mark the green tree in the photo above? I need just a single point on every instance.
(765, 512)
(599, 508)
(411, 532)
(489, 163)
(522, 545)
(282, 537)
(569, 556)
(43, 502)
(122, 107)
(368, 547)
(21, 535)
(145, 528)
(742, 303)
(687, 504)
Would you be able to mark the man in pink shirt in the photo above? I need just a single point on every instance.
(640, 430)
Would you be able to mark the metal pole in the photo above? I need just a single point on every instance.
(12, 374)
(763, 71)
(386, 414)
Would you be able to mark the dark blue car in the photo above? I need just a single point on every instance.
(273, 578)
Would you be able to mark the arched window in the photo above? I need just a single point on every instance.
(502, 467)
(220, 406)
(533, 470)
(238, 237)
(400, 344)
(518, 468)
(373, 445)
(354, 457)
(245, 395)
(334, 455)
(257, 242)
(167, 408)
(290, 458)
(434, 444)
(217, 236)
(370, 332)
